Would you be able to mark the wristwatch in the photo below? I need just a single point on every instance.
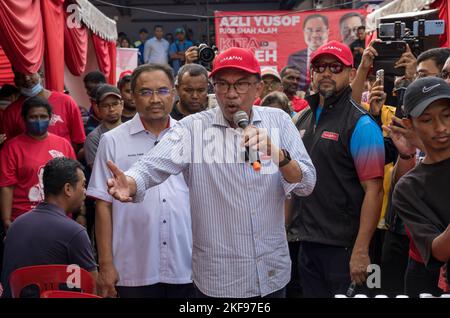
(286, 160)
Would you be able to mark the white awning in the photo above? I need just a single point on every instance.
(97, 22)
(397, 6)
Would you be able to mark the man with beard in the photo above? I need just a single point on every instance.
(129, 107)
(192, 89)
(290, 78)
(337, 221)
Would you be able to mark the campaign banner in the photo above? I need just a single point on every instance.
(127, 59)
(280, 38)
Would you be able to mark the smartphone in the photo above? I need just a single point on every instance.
(380, 77)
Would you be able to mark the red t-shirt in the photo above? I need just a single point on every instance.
(66, 120)
(298, 104)
(413, 251)
(22, 161)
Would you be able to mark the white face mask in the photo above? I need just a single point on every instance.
(31, 92)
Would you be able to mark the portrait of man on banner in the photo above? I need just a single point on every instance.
(315, 32)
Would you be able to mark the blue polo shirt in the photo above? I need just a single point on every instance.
(178, 47)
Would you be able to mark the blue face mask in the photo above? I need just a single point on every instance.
(31, 92)
(37, 127)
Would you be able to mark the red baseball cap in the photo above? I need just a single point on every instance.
(125, 73)
(339, 50)
(237, 58)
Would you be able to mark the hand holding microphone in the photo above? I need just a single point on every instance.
(254, 139)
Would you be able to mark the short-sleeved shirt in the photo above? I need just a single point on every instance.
(66, 118)
(421, 198)
(22, 162)
(177, 47)
(366, 147)
(152, 240)
(44, 236)
(156, 51)
(91, 144)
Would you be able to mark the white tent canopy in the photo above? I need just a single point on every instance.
(394, 7)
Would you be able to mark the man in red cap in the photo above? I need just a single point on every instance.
(336, 222)
(239, 242)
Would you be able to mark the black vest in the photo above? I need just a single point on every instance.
(330, 215)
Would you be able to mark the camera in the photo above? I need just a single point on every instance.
(206, 55)
(395, 36)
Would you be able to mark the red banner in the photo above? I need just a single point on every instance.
(279, 38)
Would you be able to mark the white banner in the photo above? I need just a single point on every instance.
(127, 60)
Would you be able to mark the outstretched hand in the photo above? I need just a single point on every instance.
(118, 186)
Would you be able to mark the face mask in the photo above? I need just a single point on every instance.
(31, 92)
(37, 127)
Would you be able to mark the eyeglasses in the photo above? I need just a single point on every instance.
(445, 75)
(113, 105)
(334, 67)
(163, 91)
(223, 87)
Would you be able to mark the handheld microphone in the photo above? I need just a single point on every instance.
(241, 120)
(351, 289)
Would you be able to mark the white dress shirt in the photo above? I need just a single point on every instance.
(152, 240)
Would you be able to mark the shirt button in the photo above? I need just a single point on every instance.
(164, 222)
(164, 200)
(164, 243)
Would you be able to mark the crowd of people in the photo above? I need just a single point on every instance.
(151, 187)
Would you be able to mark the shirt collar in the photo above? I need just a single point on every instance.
(50, 207)
(219, 119)
(136, 125)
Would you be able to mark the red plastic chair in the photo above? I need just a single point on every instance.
(66, 294)
(49, 277)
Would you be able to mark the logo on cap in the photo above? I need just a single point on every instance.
(332, 47)
(231, 58)
(428, 89)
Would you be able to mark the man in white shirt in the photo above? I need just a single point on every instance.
(145, 249)
(156, 49)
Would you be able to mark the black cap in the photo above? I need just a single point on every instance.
(105, 90)
(422, 92)
(143, 30)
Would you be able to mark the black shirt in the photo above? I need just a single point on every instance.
(422, 200)
(331, 213)
(44, 236)
(176, 114)
(124, 119)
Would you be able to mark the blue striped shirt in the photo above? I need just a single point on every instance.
(239, 240)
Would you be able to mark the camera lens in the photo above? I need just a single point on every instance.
(205, 53)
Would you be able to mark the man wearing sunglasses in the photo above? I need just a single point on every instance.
(337, 221)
